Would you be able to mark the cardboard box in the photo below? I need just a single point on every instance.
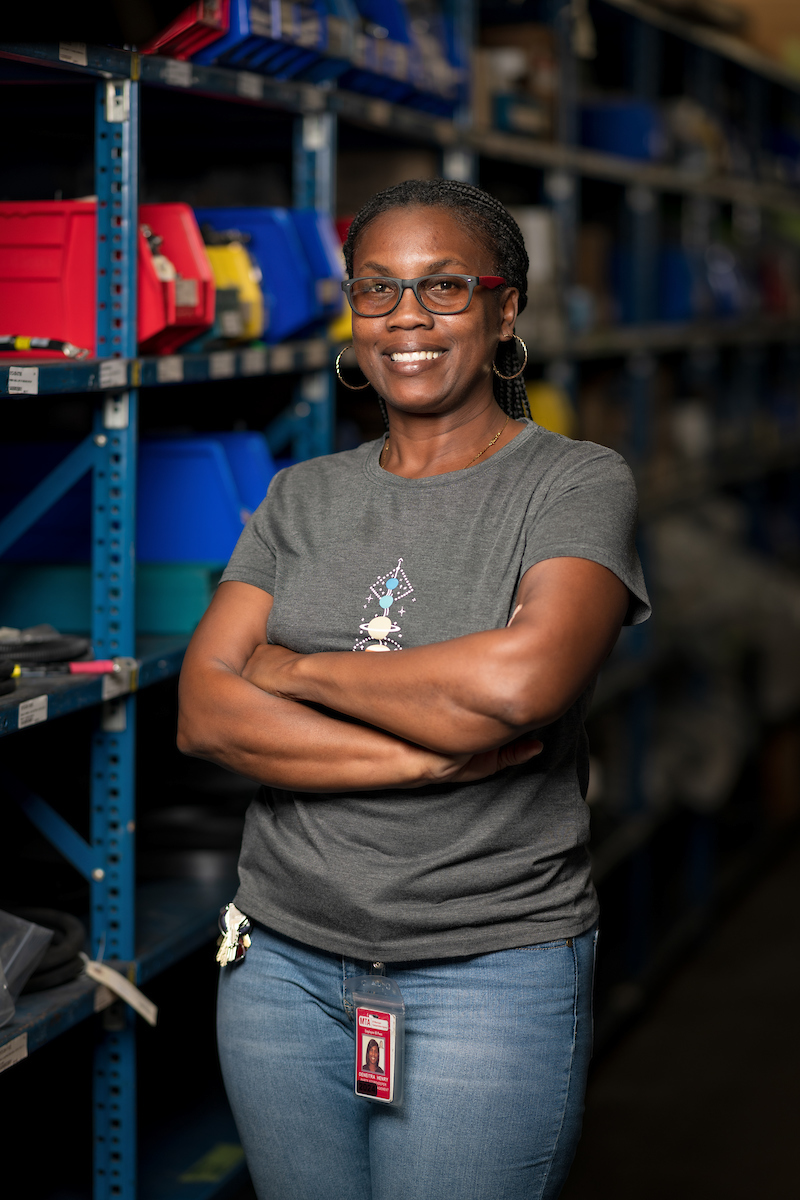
(773, 27)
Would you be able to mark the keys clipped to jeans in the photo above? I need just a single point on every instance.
(234, 938)
(380, 1037)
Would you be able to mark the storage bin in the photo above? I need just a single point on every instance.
(194, 496)
(48, 265)
(233, 268)
(286, 278)
(201, 24)
(627, 127)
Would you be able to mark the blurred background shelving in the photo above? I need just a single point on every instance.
(651, 153)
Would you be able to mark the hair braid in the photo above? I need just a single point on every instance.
(489, 221)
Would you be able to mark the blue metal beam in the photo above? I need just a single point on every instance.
(53, 826)
(46, 493)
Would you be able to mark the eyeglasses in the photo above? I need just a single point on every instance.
(377, 296)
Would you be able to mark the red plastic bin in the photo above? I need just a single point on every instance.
(48, 276)
(196, 27)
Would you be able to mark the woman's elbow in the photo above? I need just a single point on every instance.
(191, 739)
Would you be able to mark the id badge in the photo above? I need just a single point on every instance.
(380, 1038)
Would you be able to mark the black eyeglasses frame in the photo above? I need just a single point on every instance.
(488, 281)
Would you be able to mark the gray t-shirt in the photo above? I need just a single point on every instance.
(443, 870)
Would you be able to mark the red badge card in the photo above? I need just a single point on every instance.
(375, 1054)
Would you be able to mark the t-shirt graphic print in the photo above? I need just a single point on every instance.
(382, 631)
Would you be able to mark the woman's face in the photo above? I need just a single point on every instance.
(406, 243)
(373, 1054)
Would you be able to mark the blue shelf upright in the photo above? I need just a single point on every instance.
(113, 627)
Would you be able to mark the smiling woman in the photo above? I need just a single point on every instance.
(424, 805)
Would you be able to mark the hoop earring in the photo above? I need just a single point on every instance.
(354, 387)
(524, 361)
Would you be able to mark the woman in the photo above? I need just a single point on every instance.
(372, 1058)
(424, 808)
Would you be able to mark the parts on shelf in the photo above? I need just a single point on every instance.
(61, 961)
(289, 247)
(23, 945)
(17, 344)
(202, 23)
(41, 644)
(195, 495)
(240, 312)
(48, 275)
(176, 283)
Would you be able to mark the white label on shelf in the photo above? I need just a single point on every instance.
(13, 1051)
(311, 98)
(316, 354)
(231, 322)
(170, 369)
(73, 52)
(254, 362)
(222, 365)
(103, 997)
(282, 358)
(116, 412)
(115, 716)
(113, 373)
(379, 112)
(177, 73)
(186, 293)
(23, 381)
(249, 86)
(31, 712)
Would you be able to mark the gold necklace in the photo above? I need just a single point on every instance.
(471, 461)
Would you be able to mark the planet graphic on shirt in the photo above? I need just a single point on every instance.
(379, 628)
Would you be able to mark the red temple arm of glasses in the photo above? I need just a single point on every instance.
(491, 281)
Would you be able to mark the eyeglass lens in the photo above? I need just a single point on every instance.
(437, 293)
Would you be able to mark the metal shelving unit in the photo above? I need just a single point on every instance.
(148, 929)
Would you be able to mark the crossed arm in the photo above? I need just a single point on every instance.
(453, 711)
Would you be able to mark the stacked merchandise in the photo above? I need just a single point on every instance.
(406, 51)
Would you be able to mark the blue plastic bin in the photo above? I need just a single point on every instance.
(288, 285)
(629, 128)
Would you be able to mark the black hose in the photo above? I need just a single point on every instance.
(61, 961)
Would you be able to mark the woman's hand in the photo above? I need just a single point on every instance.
(466, 768)
(264, 666)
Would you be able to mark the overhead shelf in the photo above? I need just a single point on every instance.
(670, 335)
(248, 87)
(172, 919)
(43, 698)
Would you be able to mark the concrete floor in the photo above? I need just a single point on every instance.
(701, 1100)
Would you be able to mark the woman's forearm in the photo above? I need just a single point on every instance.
(285, 744)
(452, 696)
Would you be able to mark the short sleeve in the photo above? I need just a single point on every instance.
(253, 559)
(590, 511)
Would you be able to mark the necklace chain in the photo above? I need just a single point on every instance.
(471, 461)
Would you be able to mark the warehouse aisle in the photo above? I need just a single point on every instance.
(701, 1101)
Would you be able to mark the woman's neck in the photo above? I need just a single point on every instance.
(420, 445)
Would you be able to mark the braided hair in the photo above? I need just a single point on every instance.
(494, 226)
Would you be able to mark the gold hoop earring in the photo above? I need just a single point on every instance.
(354, 387)
(524, 361)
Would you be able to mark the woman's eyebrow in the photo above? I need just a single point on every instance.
(432, 267)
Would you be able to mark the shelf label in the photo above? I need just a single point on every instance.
(316, 354)
(113, 373)
(13, 1051)
(222, 365)
(170, 369)
(73, 52)
(23, 381)
(282, 358)
(249, 86)
(177, 73)
(379, 112)
(254, 362)
(31, 712)
(116, 412)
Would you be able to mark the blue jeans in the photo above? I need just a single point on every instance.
(497, 1050)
